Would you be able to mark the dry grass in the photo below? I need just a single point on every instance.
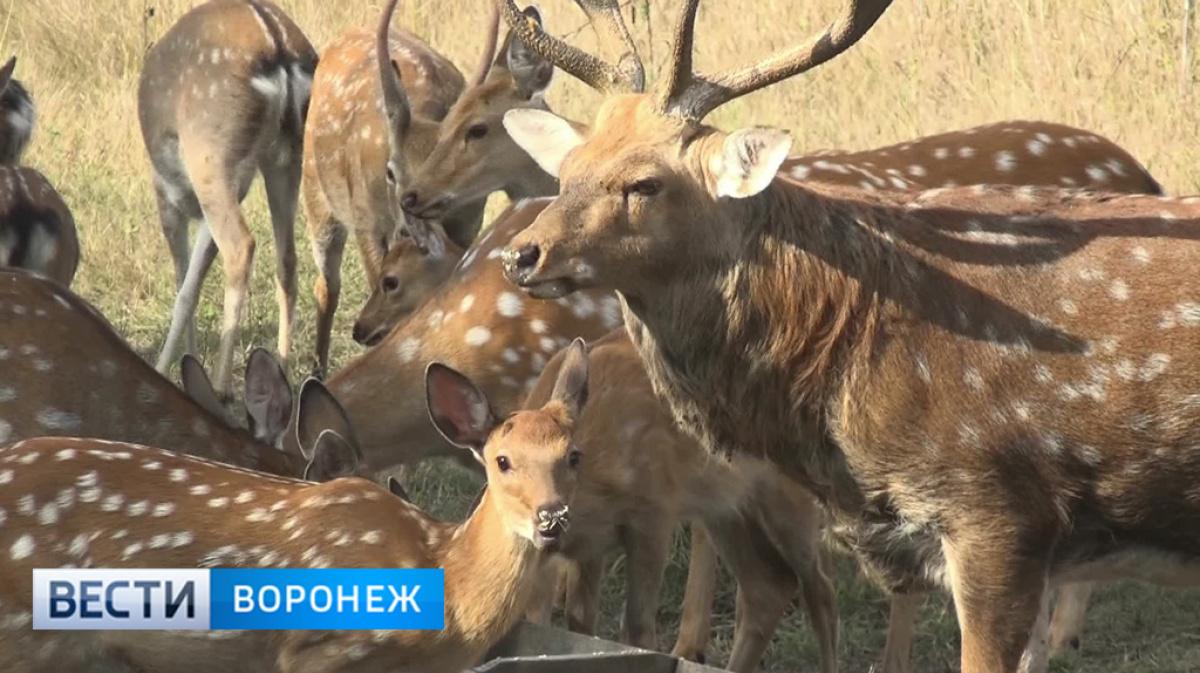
(931, 65)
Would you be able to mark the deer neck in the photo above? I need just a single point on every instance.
(489, 574)
(794, 304)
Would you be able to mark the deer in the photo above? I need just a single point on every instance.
(1050, 445)
(374, 116)
(37, 229)
(251, 519)
(69, 373)
(222, 98)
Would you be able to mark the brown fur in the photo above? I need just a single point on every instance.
(37, 230)
(222, 98)
(68, 373)
(347, 147)
(249, 519)
(393, 428)
(641, 475)
(981, 476)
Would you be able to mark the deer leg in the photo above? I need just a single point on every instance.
(1036, 658)
(696, 626)
(647, 551)
(1067, 624)
(283, 190)
(898, 649)
(998, 595)
(175, 229)
(328, 245)
(184, 311)
(218, 200)
(766, 585)
(792, 520)
(583, 597)
(372, 249)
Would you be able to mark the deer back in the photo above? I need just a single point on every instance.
(70, 374)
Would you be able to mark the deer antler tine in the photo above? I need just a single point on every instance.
(489, 46)
(575, 62)
(703, 94)
(606, 15)
(395, 100)
(679, 76)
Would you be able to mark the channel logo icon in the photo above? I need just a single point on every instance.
(241, 599)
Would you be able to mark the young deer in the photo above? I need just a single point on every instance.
(378, 106)
(222, 98)
(250, 519)
(991, 448)
(479, 325)
(642, 475)
(37, 230)
(68, 373)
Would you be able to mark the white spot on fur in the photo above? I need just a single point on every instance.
(55, 419)
(477, 336)
(537, 326)
(407, 350)
(22, 548)
(466, 303)
(1119, 290)
(1036, 147)
(1005, 161)
(1069, 307)
(509, 305)
(1097, 173)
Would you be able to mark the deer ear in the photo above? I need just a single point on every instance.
(545, 136)
(397, 489)
(6, 73)
(530, 72)
(268, 396)
(428, 235)
(458, 409)
(571, 388)
(200, 389)
(332, 457)
(749, 160)
(319, 411)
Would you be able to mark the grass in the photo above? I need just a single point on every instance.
(929, 66)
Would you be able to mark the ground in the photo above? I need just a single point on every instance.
(1110, 66)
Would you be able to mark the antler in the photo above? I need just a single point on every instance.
(605, 15)
(692, 96)
(489, 47)
(395, 100)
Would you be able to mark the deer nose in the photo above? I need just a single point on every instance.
(409, 201)
(360, 333)
(523, 261)
(553, 519)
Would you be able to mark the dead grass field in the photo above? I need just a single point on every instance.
(1112, 66)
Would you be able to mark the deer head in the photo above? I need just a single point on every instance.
(530, 488)
(473, 155)
(649, 163)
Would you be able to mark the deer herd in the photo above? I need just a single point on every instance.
(963, 359)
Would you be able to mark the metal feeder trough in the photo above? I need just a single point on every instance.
(530, 648)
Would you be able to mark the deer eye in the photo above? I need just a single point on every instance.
(391, 175)
(390, 284)
(503, 464)
(477, 131)
(573, 458)
(647, 187)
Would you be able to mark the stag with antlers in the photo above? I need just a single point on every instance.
(988, 387)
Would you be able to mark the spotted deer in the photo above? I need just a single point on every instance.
(37, 230)
(379, 107)
(68, 373)
(641, 475)
(475, 323)
(181, 511)
(222, 98)
(985, 386)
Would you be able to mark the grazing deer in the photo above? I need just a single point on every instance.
(987, 387)
(68, 373)
(223, 97)
(379, 106)
(249, 519)
(37, 230)
(479, 325)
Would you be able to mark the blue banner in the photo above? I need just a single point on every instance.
(241, 599)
